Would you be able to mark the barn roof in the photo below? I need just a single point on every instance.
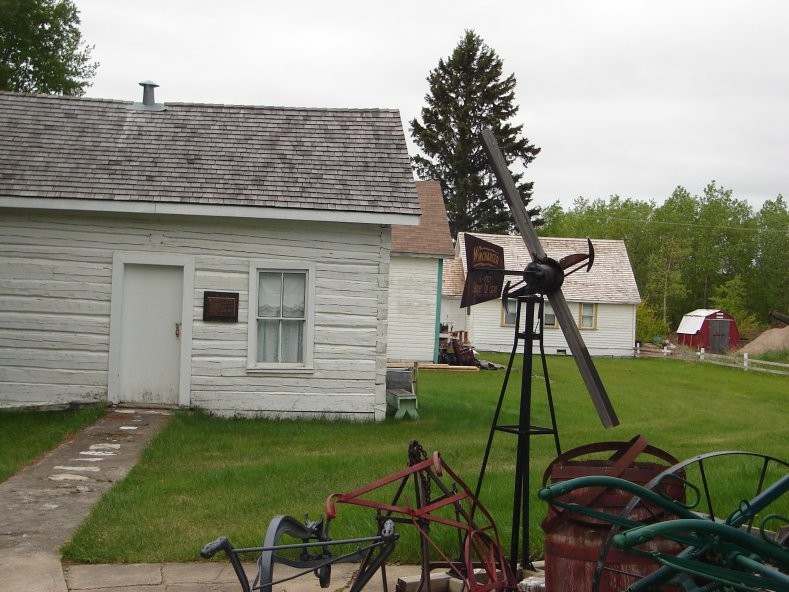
(431, 237)
(692, 322)
(323, 160)
(610, 280)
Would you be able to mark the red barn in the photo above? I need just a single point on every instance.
(714, 330)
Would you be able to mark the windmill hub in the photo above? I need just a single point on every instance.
(543, 277)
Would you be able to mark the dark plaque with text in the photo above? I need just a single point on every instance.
(220, 306)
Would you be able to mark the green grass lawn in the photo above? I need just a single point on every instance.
(26, 435)
(203, 477)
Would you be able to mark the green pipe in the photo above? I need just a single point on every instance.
(563, 488)
(728, 534)
(437, 336)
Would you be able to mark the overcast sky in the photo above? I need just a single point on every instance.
(624, 97)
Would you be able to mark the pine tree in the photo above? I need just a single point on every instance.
(468, 94)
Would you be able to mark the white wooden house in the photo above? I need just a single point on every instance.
(225, 257)
(604, 300)
(416, 269)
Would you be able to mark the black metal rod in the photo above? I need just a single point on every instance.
(494, 423)
(520, 518)
(372, 539)
(524, 430)
(548, 391)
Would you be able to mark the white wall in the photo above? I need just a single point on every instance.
(453, 315)
(55, 288)
(613, 336)
(413, 285)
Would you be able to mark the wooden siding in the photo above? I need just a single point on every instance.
(55, 292)
(614, 334)
(413, 284)
(453, 315)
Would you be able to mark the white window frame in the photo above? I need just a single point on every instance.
(307, 363)
(505, 305)
(581, 326)
(548, 310)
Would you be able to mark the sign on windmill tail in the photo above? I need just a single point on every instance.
(542, 264)
(484, 271)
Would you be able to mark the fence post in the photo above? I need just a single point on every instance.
(701, 354)
(745, 361)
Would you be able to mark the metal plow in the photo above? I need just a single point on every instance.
(694, 547)
(441, 501)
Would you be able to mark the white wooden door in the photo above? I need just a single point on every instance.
(151, 334)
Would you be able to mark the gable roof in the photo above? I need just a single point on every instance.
(453, 278)
(432, 236)
(610, 280)
(693, 321)
(348, 161)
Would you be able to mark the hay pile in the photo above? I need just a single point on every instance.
(770, 340)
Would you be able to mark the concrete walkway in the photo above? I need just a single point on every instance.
(217, 577)
(42, 505)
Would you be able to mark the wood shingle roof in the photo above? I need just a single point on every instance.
(340, 160)
(431, 236)
(610, 280)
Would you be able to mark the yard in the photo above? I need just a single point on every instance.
(204, 477)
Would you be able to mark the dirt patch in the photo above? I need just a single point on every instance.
(770, 340)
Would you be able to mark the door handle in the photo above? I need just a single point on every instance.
(177, 330)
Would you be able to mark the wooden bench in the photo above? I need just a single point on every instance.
(402, 402)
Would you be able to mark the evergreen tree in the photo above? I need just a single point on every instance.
(41, 49)
(468, 94)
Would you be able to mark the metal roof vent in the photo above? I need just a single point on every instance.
(148, 101)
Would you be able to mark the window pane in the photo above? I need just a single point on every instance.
(268, 341)
(510, 311)
(548, 318)
(269, 294)
(587, 316)
(281, 316)
(292, 337)
(293, 295)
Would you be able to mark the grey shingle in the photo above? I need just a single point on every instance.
(610, 280)
(350, 160)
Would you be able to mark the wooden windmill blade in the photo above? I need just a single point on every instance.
(567, 323)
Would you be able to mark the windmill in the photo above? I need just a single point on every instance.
(544, 277)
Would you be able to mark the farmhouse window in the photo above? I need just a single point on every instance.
(510, 308)
(509, 313)
(280, 324)
(588, 315)
(548, 318)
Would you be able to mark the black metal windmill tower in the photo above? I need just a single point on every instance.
(542, 278)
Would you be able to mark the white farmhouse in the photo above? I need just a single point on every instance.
(603, 301)
(230, 258)
(418, 254)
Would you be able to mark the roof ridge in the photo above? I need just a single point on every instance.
(84, 99)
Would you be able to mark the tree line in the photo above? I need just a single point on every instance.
(692, 251)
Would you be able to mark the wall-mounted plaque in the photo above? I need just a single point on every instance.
(220, 306)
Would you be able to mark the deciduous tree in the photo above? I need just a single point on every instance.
(41, 48)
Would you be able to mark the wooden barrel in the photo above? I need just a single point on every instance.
(573, 541)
